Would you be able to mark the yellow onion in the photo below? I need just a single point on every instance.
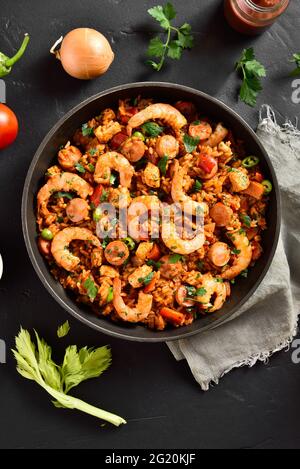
(84, 53)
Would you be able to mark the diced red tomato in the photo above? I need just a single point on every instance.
(96, 196)
(117, 140)
(207, 163)
(130, 112)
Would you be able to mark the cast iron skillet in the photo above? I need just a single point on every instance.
(65, 128)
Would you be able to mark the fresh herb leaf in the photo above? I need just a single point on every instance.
(246, 220)
(200, 292)
(200, 265)
(197, 186)
(177, 39)
(190, 143)
(155, 264)
(162, 165)
(113, 178)
(252, 72)
(87, 131)
(146, 280)
(110, 295)
(93, 151)
(63, 330)
(152, 129)
(296, 60)
(36, 364)
(66, 195)
(80, 168)
(104, 196)
(91, 289)
(245, 273)
(236, 252)
(91, 167)
(174, 258)
(105, 242)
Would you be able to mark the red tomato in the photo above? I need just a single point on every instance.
(117, 140)
(9, 126)
(130, 111)
(96, 196)
(207, 163)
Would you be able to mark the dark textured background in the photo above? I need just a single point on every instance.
(257, 408)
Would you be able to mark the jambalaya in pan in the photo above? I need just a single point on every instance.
(157, 164)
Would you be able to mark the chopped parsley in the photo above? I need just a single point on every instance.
(246, 220)
(174, 258)
(190, 143)
(197, 186)
(155, 264)
(87, 131)
(91, 288)
(162, 165)
(80, 168)
(66, 195)
(152, 129)
(146, 280)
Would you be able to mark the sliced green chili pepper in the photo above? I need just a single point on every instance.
(139, 135)
(7, 63)
(129, 242)
(268, 186)
(250, 162)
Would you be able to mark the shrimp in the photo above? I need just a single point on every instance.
(178, 245)
(180, 197)
(60, 246)
(66, 182)
(133, 315)
(113, 161)
(165, 112)
(217, 136)
(214, 290)
(244, 256)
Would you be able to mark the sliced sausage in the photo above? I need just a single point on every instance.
(77, 210)
(221, 214)
(219, 254)
(133, 149)
(200, 129)
(116, 253)
(167, 146)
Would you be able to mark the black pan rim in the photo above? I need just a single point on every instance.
(163, 337)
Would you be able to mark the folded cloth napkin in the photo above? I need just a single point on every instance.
(267, 323)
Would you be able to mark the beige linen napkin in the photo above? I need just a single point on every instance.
(267, 323)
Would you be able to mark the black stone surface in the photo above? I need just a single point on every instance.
(165, 408)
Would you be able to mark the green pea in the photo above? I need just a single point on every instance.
(250, 162)
(268, 186)
(97, 214)
(47, 234)
(129, 242)
(139, 135)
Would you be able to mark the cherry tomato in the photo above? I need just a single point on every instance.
(207, 163)
(117, 140)
(96, 196)
(9, 126)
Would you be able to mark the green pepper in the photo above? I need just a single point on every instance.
(7, 63)
(250, 162)
(139, 135)
(129, 243)
(268, 186)
(47, 234)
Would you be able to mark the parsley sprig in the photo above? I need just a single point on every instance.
(296, 60)
(252, 72)
(175, 43)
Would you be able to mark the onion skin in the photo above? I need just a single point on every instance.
(85, 54)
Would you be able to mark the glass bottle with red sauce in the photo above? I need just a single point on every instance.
(253, 16)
